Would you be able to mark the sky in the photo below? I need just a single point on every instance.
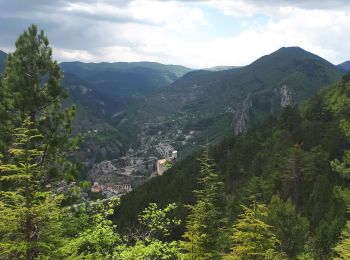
(193, 33)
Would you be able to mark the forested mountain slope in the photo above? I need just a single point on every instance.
(102, 91)
(205, 105)
(117, 84)
(288, 156)
(278, 190)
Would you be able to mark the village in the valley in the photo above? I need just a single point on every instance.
(117, 186)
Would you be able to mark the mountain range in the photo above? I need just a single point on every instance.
(101, 91)
(142, 111)
(204, 106)
(291, 156)
(345, 66)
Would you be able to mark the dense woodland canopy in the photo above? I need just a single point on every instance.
(280, 191)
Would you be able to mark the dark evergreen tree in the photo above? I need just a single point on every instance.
(205, 234)
(31, 85)
(342, 249)
(290, 227)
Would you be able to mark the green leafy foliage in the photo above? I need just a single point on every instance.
(167, 165)
(92, 233)
(149, 251)
(157, 221)
(342, 249)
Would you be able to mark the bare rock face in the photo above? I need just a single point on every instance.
(285, 95)
(241, 115)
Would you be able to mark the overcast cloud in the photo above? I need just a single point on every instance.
(193, 33)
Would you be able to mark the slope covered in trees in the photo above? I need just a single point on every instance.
(211, 105)
(117, 84)
(36, 155)
(279, 191)
(288, 156)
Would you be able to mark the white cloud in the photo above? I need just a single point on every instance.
(172, 14)
(171, 31)
(73, 55)
(274, 8)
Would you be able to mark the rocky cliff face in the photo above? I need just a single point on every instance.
(281, 97)
(285, 95)
(241, 115)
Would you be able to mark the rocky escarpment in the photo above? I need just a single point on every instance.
(285, 96)
(241, 115)
(281, 97)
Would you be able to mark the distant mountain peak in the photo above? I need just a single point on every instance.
(292, 49)
(296, 51)
(344, 66)
(288, 56)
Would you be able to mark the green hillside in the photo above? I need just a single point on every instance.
(288, 156)
(211, 105)
(102, 91)
(123, 82)
(277, 186)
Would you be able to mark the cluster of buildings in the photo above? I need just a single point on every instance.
(110, 190)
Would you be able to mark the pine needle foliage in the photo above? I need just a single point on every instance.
(252, 237)
(206, 222)
(29, 219)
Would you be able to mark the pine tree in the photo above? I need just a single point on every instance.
(29, 219)
(31, 86)
(291, 228)
(206, 223)
(342, 249)
(343, 167)
(252, 237)
(298, 168)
